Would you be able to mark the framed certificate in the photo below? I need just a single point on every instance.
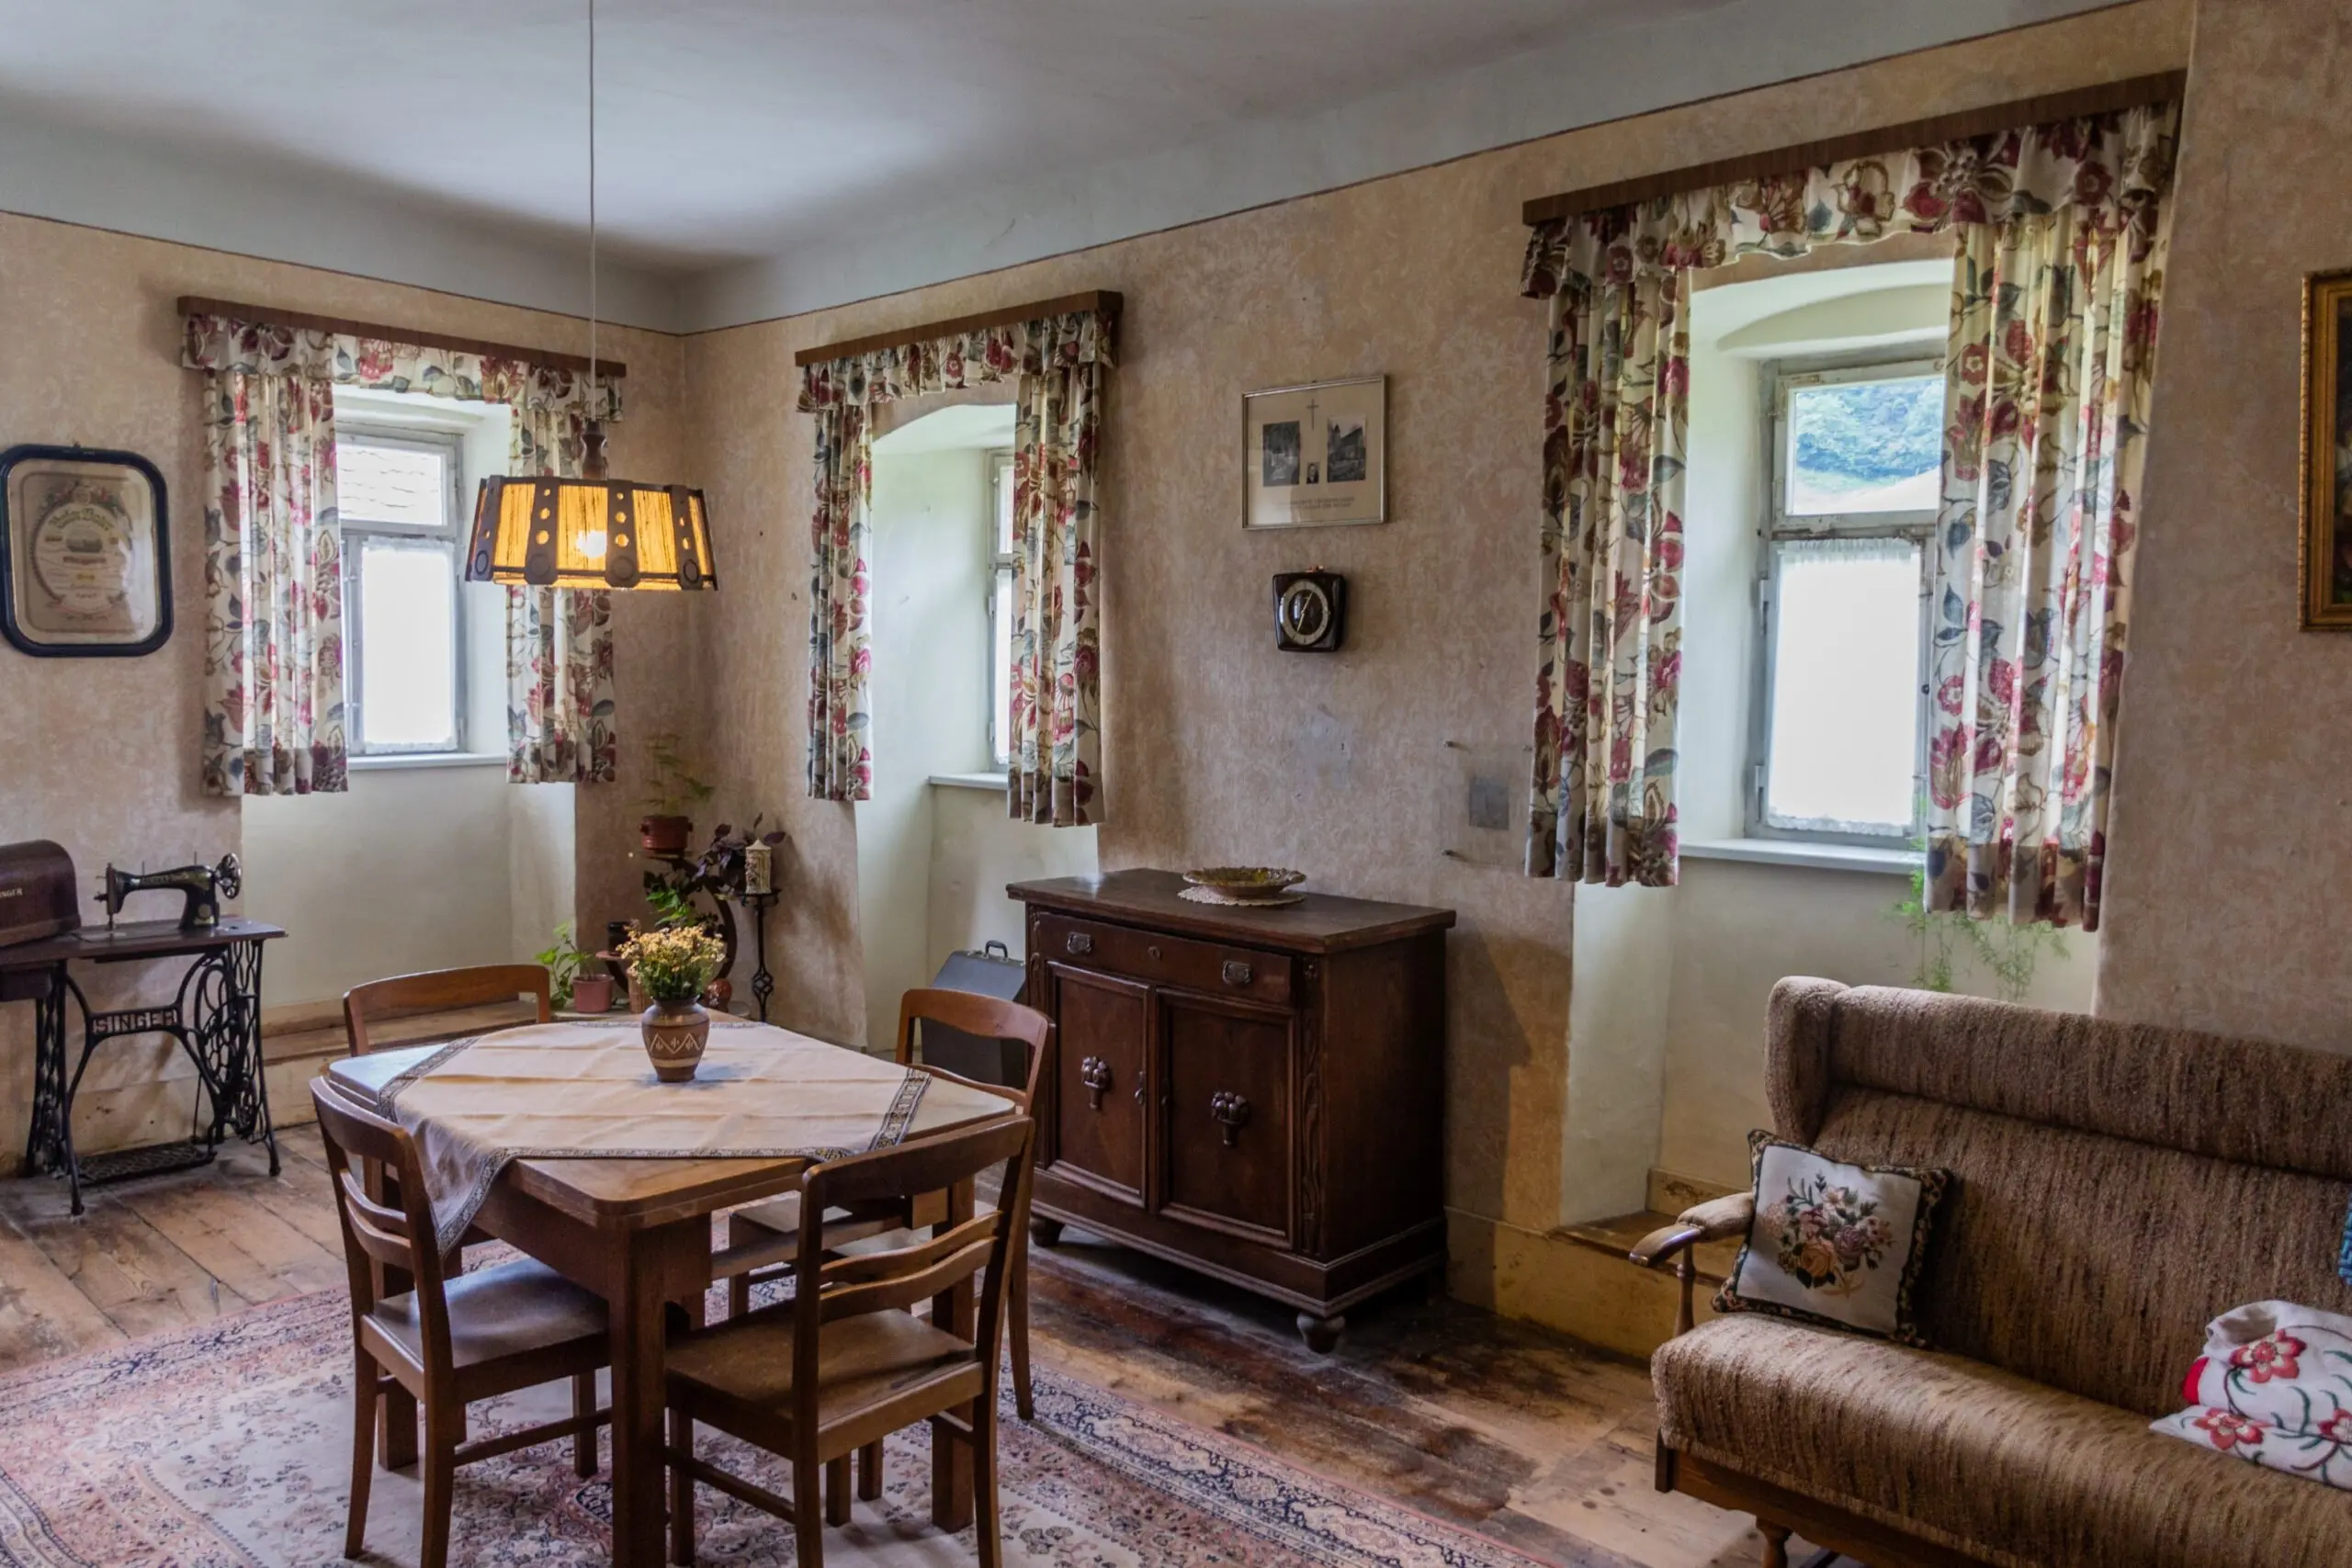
(86, 564)
(1316, 455)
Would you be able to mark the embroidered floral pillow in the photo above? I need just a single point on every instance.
(1832, 1242)
(2273, 1387)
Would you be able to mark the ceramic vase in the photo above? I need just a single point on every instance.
(674, 1037)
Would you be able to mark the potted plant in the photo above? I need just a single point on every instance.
(562, 961)
(672, 967)
(672, 792)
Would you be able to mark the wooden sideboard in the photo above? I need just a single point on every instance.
(1259, 1094)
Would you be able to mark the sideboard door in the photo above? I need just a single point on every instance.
(1227, 1116)
(1102, 1081)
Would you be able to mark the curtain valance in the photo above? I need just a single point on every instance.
(254, 348)
(2109, 170)
(971, 358)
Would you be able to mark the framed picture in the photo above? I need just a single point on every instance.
(86, 563)
(2328, 452)
(1316, 455)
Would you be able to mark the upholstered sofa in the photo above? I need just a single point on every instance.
(2117, 1187)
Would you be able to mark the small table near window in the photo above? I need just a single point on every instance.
(216, 1018)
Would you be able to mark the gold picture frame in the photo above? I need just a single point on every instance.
(1316, 455)
(2325, 569)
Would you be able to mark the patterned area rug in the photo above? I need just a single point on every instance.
(229, 1447)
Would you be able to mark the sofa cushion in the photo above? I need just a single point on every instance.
(1831, 1242)
(1976, 1460)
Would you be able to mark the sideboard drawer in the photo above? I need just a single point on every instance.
(1206, 966)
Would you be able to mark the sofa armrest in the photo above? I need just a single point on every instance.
(1717, 1220)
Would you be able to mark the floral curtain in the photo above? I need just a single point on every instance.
(2047, 562)
(1057, 362)
(1055, 722)
(273, 579)
(559, 640)
(840, 767)
(560, 647)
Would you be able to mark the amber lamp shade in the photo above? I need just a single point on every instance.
(590, 533)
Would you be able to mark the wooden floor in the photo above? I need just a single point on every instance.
(1512, 1430)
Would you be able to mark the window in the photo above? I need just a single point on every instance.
(1001, 607)
(398, 493)
(1841, 721)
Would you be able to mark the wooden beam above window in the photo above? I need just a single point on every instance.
(195, 305)
(1068, 304)
(2108, 98)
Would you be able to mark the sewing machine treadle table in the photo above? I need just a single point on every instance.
(216, 1016)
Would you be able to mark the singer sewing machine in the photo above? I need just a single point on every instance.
(203, 887)
(215, 1013)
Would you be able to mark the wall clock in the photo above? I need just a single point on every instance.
(85, 559)
(1310, 611)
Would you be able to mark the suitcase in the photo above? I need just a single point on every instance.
(991, 972)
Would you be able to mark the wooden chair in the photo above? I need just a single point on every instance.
(447, 1340)
(764, 1234)
(844, 1363)
(439, 991)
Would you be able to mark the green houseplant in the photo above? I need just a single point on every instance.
(672, 966)
(672, 792)
(562, 960)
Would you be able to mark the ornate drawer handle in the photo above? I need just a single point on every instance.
(1231, 1113)
(1095, 1074)
(1238, 973)
(1079, 942)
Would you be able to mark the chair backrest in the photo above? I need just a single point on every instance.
(857, 1284)
(438, 990)
(985, 1017)
(2116, 1186)
(374, 1232)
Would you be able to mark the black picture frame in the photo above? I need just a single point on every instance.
(28, 640)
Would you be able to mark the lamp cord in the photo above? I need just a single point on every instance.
(594, 410)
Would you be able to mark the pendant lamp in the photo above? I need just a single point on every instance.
(594, 531)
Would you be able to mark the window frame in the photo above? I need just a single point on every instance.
(999, 570)
(451, 444)
(1779, 379)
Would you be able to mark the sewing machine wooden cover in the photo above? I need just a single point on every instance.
(38, 896)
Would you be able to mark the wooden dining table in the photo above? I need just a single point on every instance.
(637, 1233)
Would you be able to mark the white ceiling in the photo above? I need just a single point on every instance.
(754, 153)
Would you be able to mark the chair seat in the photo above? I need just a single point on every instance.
(864, 1362)
(1977, 1458)
(510, 1310)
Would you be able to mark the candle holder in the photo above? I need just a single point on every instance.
(763, 983)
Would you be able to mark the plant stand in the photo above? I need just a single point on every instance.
(763, 983)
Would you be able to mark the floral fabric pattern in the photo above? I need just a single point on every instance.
(2061, 231)
(1832, 1242)
(559, 640)
(560, 706)
(273, 584)
(1057, 363)
(840, 655)
(2274, 1388)
(1055, 722)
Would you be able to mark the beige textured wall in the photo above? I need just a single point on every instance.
(2230, 852)
(1218, 747)
(104, 754)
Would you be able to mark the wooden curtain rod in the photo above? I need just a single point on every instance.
(193, 305)
(2108, 98)
(1068, 304)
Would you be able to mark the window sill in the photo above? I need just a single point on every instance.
(394, 761)
(971, 781)
(1812, 856)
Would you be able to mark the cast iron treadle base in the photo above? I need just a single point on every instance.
(155, 1159)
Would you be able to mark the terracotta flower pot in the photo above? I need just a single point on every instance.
(665, 835)
(674, 1038)
(592, 993)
